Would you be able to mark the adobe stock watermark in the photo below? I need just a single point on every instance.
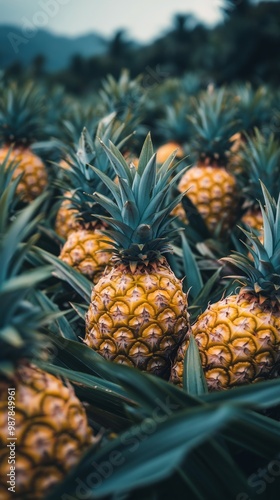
(259, 480)
(11, 439)
(47, 9)
(154, 76)
(103, 470)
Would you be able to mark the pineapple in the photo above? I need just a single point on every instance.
(20, 114)
(86, 251)
(165, 150)
(138, 310)
(85, 248)
(239, 336)
(210, 187)
(44, 418)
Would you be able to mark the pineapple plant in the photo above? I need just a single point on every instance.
(239, 336)
(211, 188)
(40, 414)
(175, 129)
(138, 310)
(79, 178)
(85, 248)
(76, 117)
(252, 112)
(125, 97)
(20, 121)
(260, 161)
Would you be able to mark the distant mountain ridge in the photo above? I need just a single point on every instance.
(56, 49)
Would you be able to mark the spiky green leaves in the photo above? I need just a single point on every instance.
(253, 109)
(262, 278)
(8, 198)
(20, 319)
(261, 161)
(125, 97)
(214, 122)
(20, 115)
(175, 124)
(80, 177)
(140, 204)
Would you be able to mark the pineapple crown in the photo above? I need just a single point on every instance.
(80, 177)
(76, 118)
(214, 123)
(175, 125)
(21, 111)
(139, 206)
(262, 278)
(125, 97)
(252, 107)
(261, 161)
(20, 318)
(192, 82)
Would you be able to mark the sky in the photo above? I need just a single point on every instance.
(143, 20)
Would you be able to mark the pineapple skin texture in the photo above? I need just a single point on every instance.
(138, 319)
(253, 218)
(214, 192)
(85, 251)
(51, 429)
(238, 340)
(34, 173)
(66, 221)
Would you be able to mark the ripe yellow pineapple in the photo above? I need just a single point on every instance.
(239, 336)
(86, 251)
(209, 185)
(32, 169)
(138, 310)
(51, 431)
(39, 412)
(19, 127)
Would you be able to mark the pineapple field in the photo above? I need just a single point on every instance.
(140, 290)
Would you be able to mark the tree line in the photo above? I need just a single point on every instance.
(244, 46)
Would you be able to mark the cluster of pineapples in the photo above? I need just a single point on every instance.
(145, 229)
(44, 429)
